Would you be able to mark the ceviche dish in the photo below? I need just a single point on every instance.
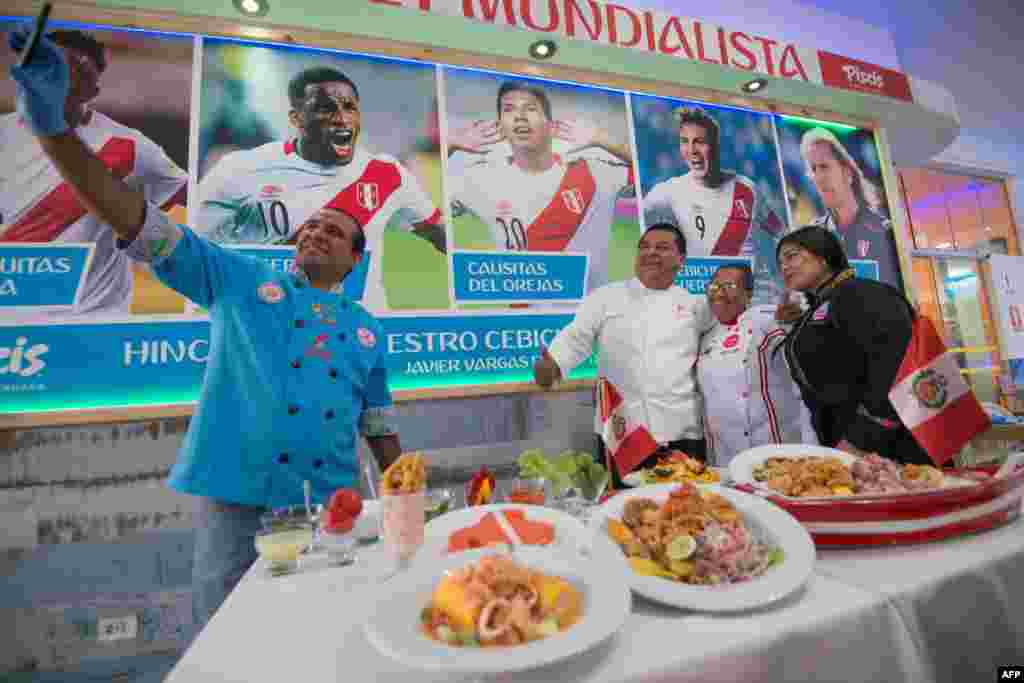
(498, 601)
(695, 537)
(815, 476)
(678, 467)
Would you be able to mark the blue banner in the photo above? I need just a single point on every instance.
(82, 366)
(282, 260)
(518, 277)
(696, 273)
(40, 275)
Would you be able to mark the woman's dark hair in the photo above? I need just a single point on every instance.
(821, 242)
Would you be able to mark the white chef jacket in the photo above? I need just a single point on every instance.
(750, 398)
(648, 341)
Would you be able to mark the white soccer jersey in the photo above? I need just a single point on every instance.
(717, 221)
(36, 205)
(263, 195)
(569, 207)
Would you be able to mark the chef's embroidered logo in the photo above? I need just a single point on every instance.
(863, 247)
(573, 200)
(326, 313)
(929, 389)
(821, 313)
(731, 341)
(319, 348)
(619, 427)
(162, 246)
(270, 292)
(366, 337)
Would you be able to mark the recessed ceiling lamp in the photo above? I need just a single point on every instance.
(543, 49)
(252, 8)
(755, 85)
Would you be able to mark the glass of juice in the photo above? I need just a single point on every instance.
(282, 543)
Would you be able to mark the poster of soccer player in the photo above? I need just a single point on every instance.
(290, 134)
(834, 179)
(128, 101)
(539, 180)
(714, 173)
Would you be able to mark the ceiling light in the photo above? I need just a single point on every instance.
(755, 85)
(543, 49)
(252, 8)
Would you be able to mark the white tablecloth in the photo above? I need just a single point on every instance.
(961, 600)
(855, 620)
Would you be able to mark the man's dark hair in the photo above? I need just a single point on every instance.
(676, 233)
(83, 42)
(311, 76)
(698, 117)
(513, 86)
(748, 273)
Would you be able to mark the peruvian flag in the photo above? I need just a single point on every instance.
(628, 442)
(931, 397)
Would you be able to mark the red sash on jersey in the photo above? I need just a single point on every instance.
(59, 209)
(736, 229)
(363, 197)
(558, 222)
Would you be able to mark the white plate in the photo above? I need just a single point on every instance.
(765, 520)
(742, 467)
(394, 628)
(570, 534)
(637, 477)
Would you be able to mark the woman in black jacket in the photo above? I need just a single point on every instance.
(845, 350)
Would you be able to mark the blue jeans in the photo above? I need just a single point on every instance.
(224, 551)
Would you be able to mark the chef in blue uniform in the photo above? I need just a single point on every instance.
(294, 369)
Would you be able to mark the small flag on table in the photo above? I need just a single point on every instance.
(932, 398)
(627, 441)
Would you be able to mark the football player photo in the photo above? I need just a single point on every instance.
(286, 133)
(543, 167)
(714, 173)
(135, 126)
(833, 177)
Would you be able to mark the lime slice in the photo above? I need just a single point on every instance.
(681, 547)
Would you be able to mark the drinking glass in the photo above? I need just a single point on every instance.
(402, 521)
(526, 491)
(286, 533)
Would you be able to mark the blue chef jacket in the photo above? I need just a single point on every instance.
(293, 372)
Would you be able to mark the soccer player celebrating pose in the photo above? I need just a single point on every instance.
(263, 195)
(717, 210)
(535, 199)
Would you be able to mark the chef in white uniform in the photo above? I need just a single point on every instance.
(749, 397)
(648, 331)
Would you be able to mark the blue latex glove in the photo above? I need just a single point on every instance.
(42, 84)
